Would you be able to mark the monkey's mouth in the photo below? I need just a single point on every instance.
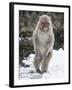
(45, 28)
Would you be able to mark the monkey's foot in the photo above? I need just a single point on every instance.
(44, 72)
(38, 71)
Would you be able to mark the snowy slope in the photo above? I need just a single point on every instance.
(55, 70)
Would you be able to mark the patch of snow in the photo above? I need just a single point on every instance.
(55, 69)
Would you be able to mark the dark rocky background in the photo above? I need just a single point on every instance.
(27, 23)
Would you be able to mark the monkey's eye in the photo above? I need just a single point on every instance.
(42, 23)
(48, 23)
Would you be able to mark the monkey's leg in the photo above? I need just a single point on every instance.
(45, 62)
(37, 62)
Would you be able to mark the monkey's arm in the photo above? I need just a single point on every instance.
(35, 41)
(50, 44)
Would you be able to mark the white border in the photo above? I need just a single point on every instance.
(16, 43)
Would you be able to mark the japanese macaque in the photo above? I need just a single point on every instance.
(43, 41)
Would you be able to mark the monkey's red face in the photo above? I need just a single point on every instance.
(44, 25)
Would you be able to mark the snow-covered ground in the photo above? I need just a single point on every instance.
(55, 70)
